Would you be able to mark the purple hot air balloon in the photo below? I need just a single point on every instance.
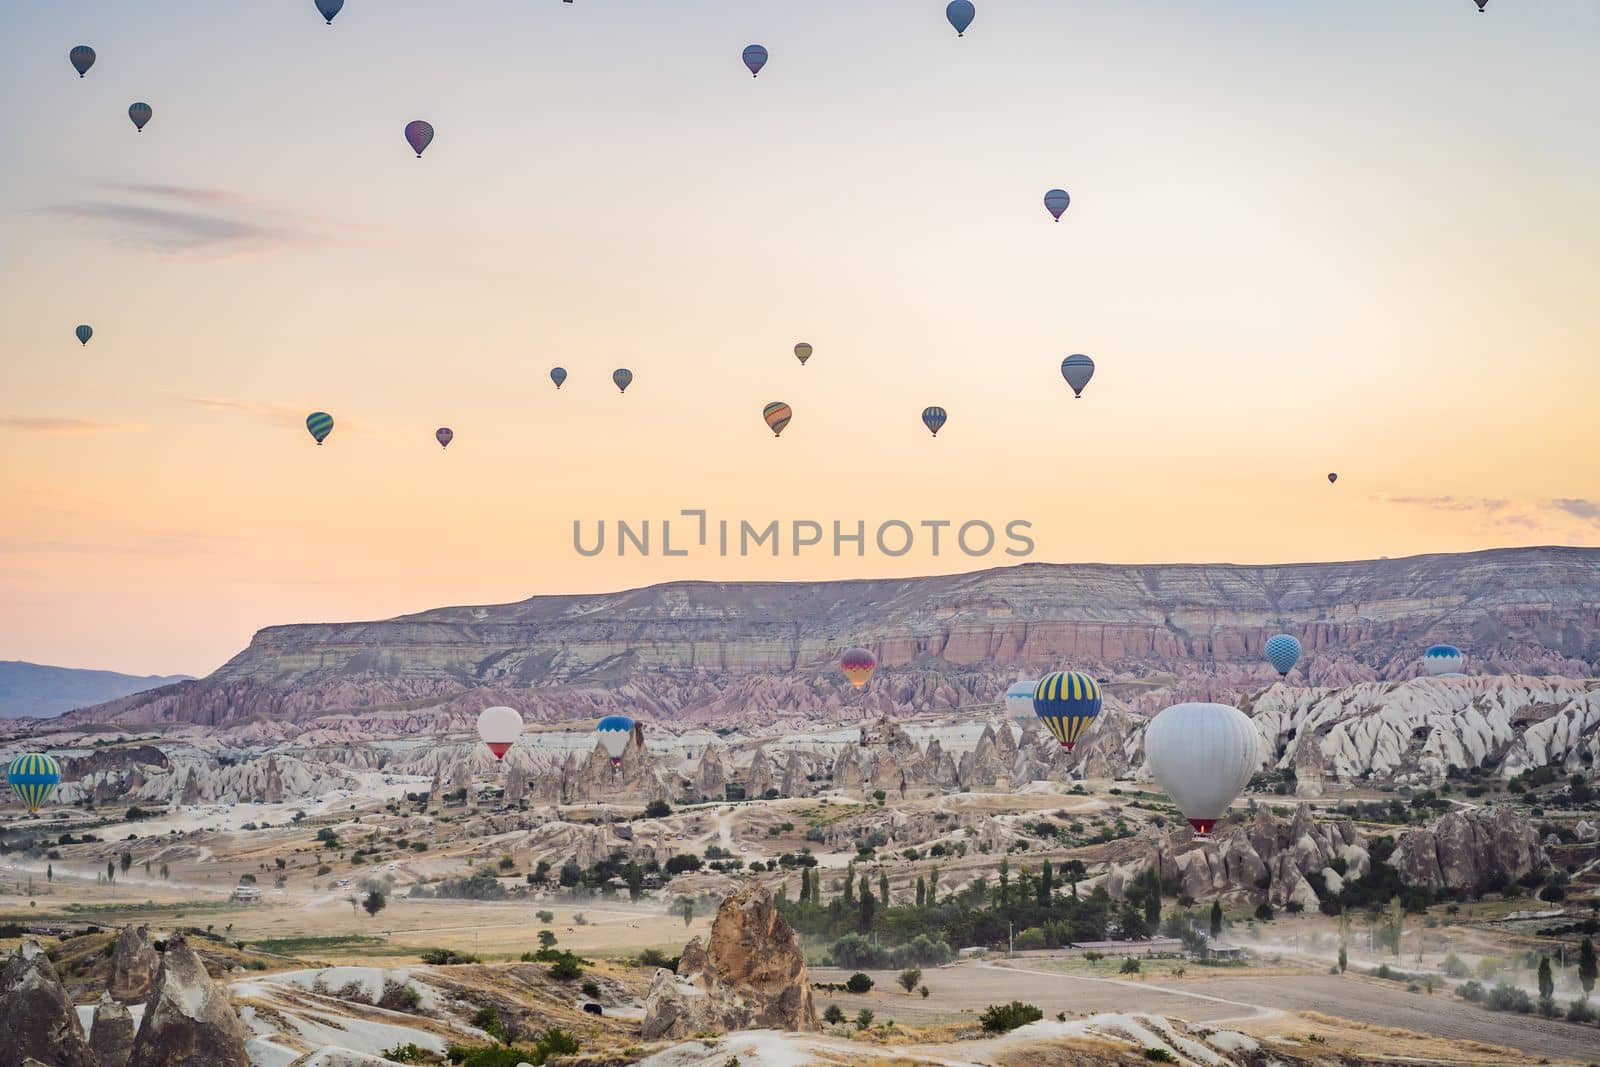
(755, 57)
(444, 435)
(1056, 201)
(419, 135)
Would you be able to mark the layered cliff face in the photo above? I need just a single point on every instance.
(721, 651)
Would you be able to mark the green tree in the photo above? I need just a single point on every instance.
(834, 1015)
(849, 884)
(1046, 889)
(1216, 918)
(910, 978)
(864, 1018)
(547, 939)
(1072, 871)
(1587, 970)
(657, 809)
(164, 872)
(1005, 881)
(805, 884)
(933, 886)
(111, 870)
(1344, 960)
(126, 859)
(883, 887)
(922, 892)
(686, 909)
(867, 908)
(374, 902)
(1547, 983)
(49, 872)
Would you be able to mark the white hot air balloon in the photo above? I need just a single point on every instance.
(1203, 755)
(1019, 700)
(1443, 661)
(499, 727)
(614, 732)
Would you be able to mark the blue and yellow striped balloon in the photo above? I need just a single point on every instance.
(34, 777)
(319, 424)
(1067, 703)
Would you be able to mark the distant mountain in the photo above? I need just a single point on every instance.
(743, 652)
(35, 689)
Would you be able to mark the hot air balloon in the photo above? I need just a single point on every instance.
(960, 13)
(444, 435)
(1481, 5)
(1332, 478)
(934, 419)
(802, 352)
(1443, 659)
(1019, 699)
(1077, 370)
(755, 57)
(34, 777)
(1067, 702)
(419, 135)
(1283, 652)
(558, 375)
(84, 332)
(140, 114)
(614, 732)
(858, 664)
(82, 57)
(623, 377)
(777, 415)
(320, 424)
(499, 727)
(1056, 201)
(1202, 754)
(329, 8)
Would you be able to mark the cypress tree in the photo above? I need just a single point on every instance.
(1587, 970)
(866, 909)
(1046, 888)
(1216, 919)
(922, 892)
(850, 883)
(883, 888)
(1547, 984)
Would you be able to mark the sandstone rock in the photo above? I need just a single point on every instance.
(36, 1016)
(1586, 831)
(796, 781)
(111, 1035)
(189, 1018)
(134, 963)
(710, 779)
(516, 783)
(750, 975)
(761, 777)
(1464, 848)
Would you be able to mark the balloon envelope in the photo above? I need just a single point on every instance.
(1019, 699)
(499, 727)
(329, 8)
(1443, 659)
(84, 332)
(1203, 755)
(1077, 370)
(802, 352)
(623, 377)
(444, 435)
(614, 732)
(1056, 201)
(558, 375)
(777, 415)
(1067, 702)
(755, 57)
(82, 58)
(858, 664)
(34, 776)
(934, 419)
(960, 13)
(140, 114)
(1283, 652)
(1332, 478)
(419, 135)
(319, 424)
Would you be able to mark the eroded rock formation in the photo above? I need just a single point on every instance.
(188, 1019)
(36, 1016)
(134, 964)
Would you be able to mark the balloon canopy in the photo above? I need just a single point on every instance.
(623, 377)
(1443, 659)
(1019, 699)
(802, 352)
(140, 114)
(1067, 702)
(34, 776)
(934, 419)
(1077, 370)
(755, 57)
(329, 8)
(319, 424)
(1332, 478)
(558, 375)
(82, 58)
(83, 333)
(1203, 755)
(444, 435)
(777, 414)
(858, 664)
(614, 732)
(419, 135)
(1283, 652)
(499, 727)
(960, 13)
(1056, 201)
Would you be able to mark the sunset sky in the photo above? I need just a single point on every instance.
(1360, 237)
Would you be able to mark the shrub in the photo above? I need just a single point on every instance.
(408, 1054)
(858, 983)
(554, 1042)
(910, 978)
(1159, 1055)
(487, 1019)
(1472, 991)
(546, 917)
(651, 957)
(443, 957)
(1129, 966)
(566, 968)
(1454, 966)
(833, 1016)
(590, 989)
(657, 809)
(864, 1018)
(1001, 1018)
(1506, 997)
(1580, 1012)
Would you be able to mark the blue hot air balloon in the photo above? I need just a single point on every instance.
(140, 113)
(1067, 703)
(1283, 652)
(614, 732)
(934, 419)
(319, 424)
(558, 375)
(1077, 370)
(84, 332)
(329, 8)
(34, 777)
(755, 57)
(82, 58)
(623, 377)
(1056, 201)
(960, 13)
(1443, 659)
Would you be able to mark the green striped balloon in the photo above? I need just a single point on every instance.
(320, 423)
(34, 777)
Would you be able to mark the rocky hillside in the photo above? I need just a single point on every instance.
(37, 689)
(718, 651)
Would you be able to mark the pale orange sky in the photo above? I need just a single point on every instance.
(1349, 238)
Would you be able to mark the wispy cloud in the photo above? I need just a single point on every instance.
(177, 219)
(274, 413)
(1450, 503)
(1578, 507)
(47, 424)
